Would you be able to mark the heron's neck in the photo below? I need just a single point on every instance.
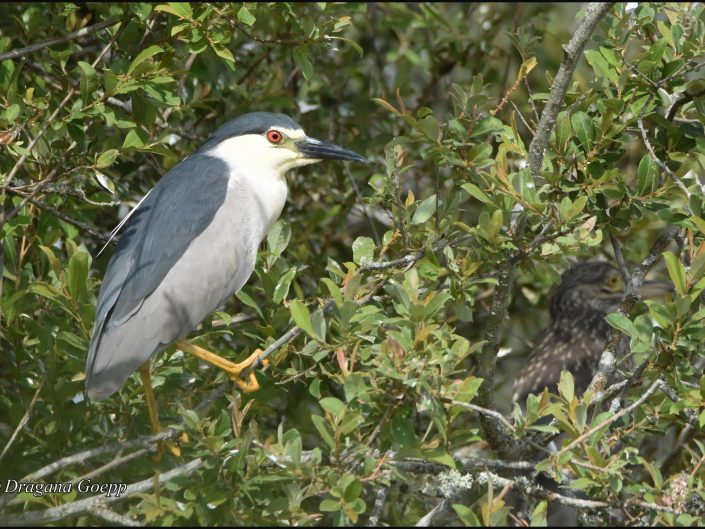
(256, 187)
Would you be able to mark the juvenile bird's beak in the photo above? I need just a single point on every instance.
(320, 150)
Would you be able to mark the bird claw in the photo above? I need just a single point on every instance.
(251, 384)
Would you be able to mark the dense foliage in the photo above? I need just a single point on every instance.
(405, 276)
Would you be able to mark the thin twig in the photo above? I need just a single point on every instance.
(686, 97)
(16, 54)
(23, 158)
(656, 384)
(662, 166)
(617, 248)
(23, 420)
(484, 411)
(87, 228)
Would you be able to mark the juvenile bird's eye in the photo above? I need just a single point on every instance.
(274, 136)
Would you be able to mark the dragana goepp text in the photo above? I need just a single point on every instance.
(85, 486)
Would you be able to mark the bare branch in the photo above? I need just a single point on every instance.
(617, 248)
(494, 429)
(631, 295)
(484, 411)
(102, 237)
(686, 97)
(88, 30)
(81, 506)
(594, 13)
(378, 507)
(112, 517)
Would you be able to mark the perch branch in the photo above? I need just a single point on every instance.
(594, 13)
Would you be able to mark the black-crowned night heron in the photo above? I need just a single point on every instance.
(192, 242)
(575, 337)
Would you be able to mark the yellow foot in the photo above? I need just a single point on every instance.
(232, 369)
(157, 457)
(251, 384)
(173, 447)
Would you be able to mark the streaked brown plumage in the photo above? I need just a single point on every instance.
(576, 335)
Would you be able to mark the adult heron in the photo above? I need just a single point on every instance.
(192, 242)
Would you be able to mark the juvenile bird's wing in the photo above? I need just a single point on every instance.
(175, 211)
(567, 344)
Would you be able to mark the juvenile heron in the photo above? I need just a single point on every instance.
(576, 335)
(192, 242)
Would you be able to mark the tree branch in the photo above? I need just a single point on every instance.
(81, 506)
(88, 30)
(631, 295)
(594, 13)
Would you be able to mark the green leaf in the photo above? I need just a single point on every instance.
(566, 386)
(564, 131)
(697, 269)
(282, 288)
(329, 505)
(622, 323)
(600, 66)
(245, 16)
(89, 81)
(425, 210)
(249, 301)
(107, 158)
(675, 271)
(223, 52)
(144, 55)
(180, 9)
(333, 406)
(324, 430)
(363, 250)
(302, 57)
(110, 82)
(429, 126)
(12, 112)
(333, 290)
(466, 515)
(477, 193)
(78, 274)
(318, 322)
(136, 138)
(278, 237)
(538, 516)
(573, 208)
(648, 173)
(302, 317)
(584, 129)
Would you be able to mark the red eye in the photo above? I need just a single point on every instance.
(274, 136)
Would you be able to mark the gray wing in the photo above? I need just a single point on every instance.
(180, 207)
(566, 344)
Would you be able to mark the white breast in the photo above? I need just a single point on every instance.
(257, 186)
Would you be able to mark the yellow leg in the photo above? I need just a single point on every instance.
(151, 407)
(232, 369)
(152, 410)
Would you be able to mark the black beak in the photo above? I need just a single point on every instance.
(320, 150)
